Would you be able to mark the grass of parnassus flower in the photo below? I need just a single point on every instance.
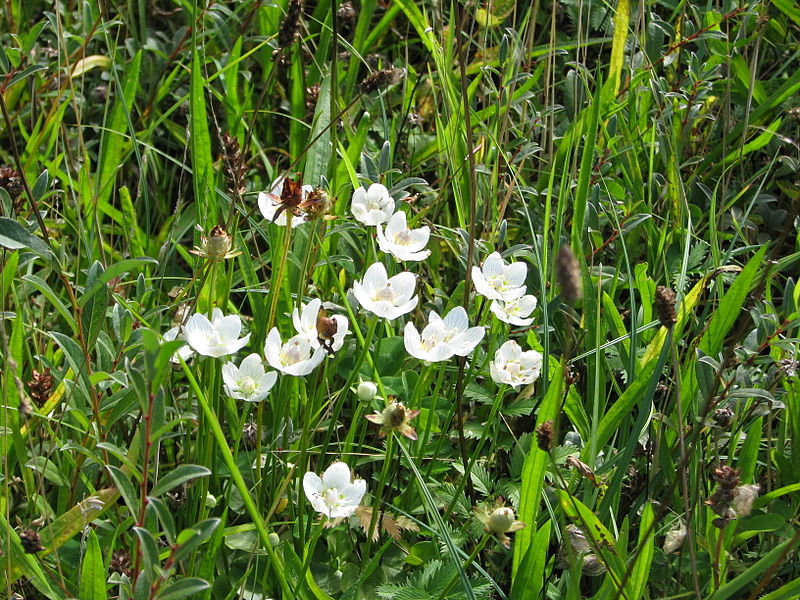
(145, 157)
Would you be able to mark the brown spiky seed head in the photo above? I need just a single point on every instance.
(121, 563)
(568, 274)
(380, 79)
(665, 306)
(30, 541)
(544, 436)
(40, 385)
(723, 417)
(290, 24)
(727, 477)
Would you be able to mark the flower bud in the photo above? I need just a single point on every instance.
(218, 243)
(367, 391)
(500, 519)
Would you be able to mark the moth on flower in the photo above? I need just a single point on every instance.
(312, 321)
(395, 417)
(282, 204)
(216, 245)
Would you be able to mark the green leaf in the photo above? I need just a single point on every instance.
(730, 306)
(536, 463)
(178, 476)
(113, 138)
(200, 145)
(93, 573)
(126, 489)
(149, 548)
(183, 589)
(767, 561)
(14, 237)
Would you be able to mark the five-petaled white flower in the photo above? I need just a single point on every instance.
(270, 203)
(516, 311)
(185, 352)
(401, 242)
(295, 357)
(387, 297)
(311, 321)
(499, 281)
(513, 366)
(217, 337)
(442, 338)
(372, 206)
(334, 495)
(249, 381)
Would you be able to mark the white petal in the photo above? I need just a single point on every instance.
(403, 284)
(336, 476)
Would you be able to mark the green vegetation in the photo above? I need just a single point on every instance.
(613, 152)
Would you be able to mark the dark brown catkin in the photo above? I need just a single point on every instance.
(665, 306)
(568, 274)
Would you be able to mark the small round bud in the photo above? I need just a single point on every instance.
(500, 520)
(274, 540)
(211, 500)
(367, 391)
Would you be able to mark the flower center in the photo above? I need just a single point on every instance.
(331, 497)
(248, 386)
(403, 237)
(386, 293)
(292, 353)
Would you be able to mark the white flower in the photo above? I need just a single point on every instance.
(372, 206)
(334, 495)
(185, 352)
(320, 330)
(249, 381)
(217, 337)
(498, 281)
(516, 311)
(295, 357)
(513, 366)
(442, 338)
(270, 203)
(387, 297)
(458, 334)
(401, 242)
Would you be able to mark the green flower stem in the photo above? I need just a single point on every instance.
(429, 422)
(379, 491)
(238, 480)
(365, 344)
(470, 559)
(277, 278)
(498, 402)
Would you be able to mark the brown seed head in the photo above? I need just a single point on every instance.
(121, 563)
(30, 541)
(568, 274)
(290, 24)
(544, 436)
(665, 306)
(40, 385)
(727, 477)
(380, 79)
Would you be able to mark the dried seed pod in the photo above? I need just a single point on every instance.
(665, 306)
(544, 436)
(727, 477)
(723, 417)
(568, 274)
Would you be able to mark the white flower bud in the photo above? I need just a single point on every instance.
(500, 520)
(367, 391)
